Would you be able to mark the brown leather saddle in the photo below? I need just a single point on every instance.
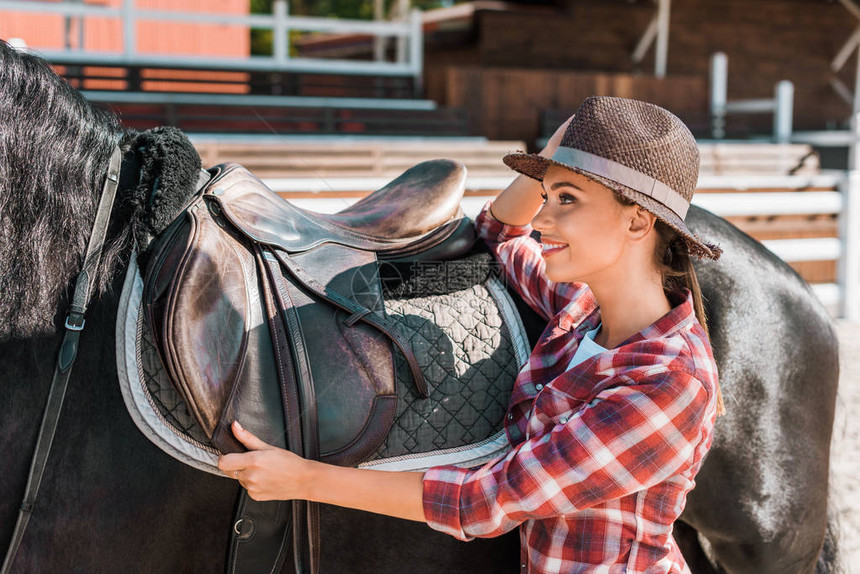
(272, 315)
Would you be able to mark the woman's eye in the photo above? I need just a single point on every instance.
(543, 197)
(566, 198)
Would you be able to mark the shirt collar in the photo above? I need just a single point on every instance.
(585, 316)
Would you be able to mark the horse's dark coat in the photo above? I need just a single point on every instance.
(113, 502)
(777, 353)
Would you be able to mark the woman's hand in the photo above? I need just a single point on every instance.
(554, 141)
(267, 472)
(270, 473)
(519, 202)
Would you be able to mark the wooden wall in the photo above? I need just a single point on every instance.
(506, 104)
(765, 40)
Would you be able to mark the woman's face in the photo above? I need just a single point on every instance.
(583, 229)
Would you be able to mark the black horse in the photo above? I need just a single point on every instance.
(111, 501)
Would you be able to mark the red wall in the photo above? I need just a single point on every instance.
(153, 37)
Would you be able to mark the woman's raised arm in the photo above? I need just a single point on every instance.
(520, 201)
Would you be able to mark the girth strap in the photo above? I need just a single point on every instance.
(259, 536)
(298, 383)
(67, 355)
(254, 549)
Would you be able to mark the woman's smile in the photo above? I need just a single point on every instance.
(550, 247)
(582, 227)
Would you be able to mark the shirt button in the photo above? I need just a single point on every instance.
(510, 416)
(563, 420)
(538, 386)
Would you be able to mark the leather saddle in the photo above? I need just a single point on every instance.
(272, 315)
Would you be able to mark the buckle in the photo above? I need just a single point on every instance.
(73, 324)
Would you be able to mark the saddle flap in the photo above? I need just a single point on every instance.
(353, 364)
(201, 297)
(201, 327)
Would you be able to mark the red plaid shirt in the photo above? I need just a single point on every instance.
(603, 454)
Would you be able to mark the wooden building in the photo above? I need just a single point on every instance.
(508, 63)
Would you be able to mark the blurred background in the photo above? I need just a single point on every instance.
(328, 100)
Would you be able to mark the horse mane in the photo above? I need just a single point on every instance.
(54, 151)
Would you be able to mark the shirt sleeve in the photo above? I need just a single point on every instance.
(628, 438)
(520, 257)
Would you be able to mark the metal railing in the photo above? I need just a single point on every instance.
(781, 105)
(408, 59)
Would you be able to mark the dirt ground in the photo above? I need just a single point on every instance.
(845, 448)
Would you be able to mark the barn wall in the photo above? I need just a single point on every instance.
(766, 41)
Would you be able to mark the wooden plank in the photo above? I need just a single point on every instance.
(786, 227)
(816, 271)
(763, 190)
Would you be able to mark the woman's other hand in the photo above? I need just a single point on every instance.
(267, 472)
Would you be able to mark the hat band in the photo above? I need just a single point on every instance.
(624, 175)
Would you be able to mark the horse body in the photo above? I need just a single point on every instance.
(111, 501)
(761, 494)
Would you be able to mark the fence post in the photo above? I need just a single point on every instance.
(280, 45)
(783, 115)
(849, 231)
(379, 42)
(129, 26)
(661, 52)
(416, 50)
(719, 94)
(403, 15)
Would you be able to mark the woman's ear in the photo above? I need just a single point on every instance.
(641, 222)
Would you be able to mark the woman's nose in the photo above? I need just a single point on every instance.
(542, 219)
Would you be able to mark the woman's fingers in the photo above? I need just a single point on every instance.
(248, 439)
(236, 461)
(230, 463)
(555, 140)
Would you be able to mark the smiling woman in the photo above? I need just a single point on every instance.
(612, 414)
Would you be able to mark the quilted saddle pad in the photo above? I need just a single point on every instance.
(467, 337)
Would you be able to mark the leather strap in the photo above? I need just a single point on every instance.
(68, 353)
(258, 539)
(305, 534)
(359, 313)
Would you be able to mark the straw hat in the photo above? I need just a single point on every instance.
(640, 150)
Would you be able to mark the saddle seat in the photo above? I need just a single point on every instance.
(425, 197)
(416, 216)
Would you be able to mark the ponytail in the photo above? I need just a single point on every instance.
(676, 267)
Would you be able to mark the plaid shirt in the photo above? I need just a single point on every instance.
(603, 454)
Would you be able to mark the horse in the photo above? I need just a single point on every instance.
(110, 500)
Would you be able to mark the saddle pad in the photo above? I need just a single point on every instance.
(469, 356)
(470, 345)
(153, 405)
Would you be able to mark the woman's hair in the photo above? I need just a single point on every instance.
(673, 261)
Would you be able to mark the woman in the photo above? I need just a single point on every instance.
(613, 412)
